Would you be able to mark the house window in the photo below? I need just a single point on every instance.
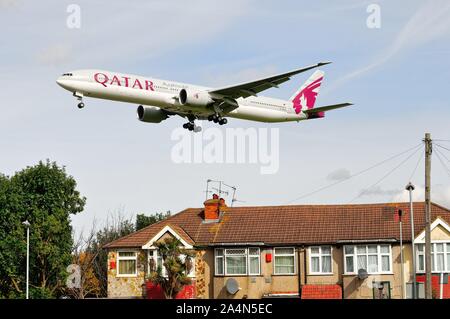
(320, 260)
(237, 261)
(284, 261)
(440, 257)
(375, 259)
(219, 262)
(254, 262)
(127, 263)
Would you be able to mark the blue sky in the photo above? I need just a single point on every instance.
(396, 75)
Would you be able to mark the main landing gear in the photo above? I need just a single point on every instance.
(217, 119)
(192, 127)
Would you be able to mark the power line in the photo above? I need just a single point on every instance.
(354, 175)
(448, 149)
(385, 176)
(448, 160)
(442, 162)
(417, 165)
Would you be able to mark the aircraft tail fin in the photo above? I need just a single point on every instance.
(305, 98)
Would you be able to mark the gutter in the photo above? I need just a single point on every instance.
(235, 244)
(351, 241)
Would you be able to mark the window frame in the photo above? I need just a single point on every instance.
(446, 252)
(223, 258)
(379, 254)
(124, 258)
(258, 255)
(275, 255)
(312, 255)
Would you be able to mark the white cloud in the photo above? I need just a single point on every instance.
(339, 175)
(378, 191)
(8, 3)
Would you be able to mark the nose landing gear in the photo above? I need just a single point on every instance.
(79, 97)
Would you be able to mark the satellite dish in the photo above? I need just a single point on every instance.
(362, 274)
(232, 286)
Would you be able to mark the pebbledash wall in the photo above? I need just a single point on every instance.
(126, 286)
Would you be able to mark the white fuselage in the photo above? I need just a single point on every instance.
(165, 95)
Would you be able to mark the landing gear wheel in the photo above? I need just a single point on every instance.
(210, 117)
(185, 125)
(223, 121)
(80, 105)
(216, 119)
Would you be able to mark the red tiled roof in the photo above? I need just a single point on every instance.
(299, 224)
(321, 292)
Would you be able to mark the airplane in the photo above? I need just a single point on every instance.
(160, 99)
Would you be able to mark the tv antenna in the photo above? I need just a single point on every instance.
(220, 189)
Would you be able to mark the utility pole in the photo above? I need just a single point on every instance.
(428, 151)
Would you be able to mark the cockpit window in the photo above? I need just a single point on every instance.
(67, 74)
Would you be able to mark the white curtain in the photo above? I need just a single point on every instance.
(315, 267)
(362, 262)
(326, 264)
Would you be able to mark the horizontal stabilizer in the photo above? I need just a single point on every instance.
(326, 108)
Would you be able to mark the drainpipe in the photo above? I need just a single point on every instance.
(304, 265)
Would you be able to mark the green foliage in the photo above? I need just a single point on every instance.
(146, 220)
(45, 196)
(177, 268)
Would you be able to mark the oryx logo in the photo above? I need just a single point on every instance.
(305, 97)
(196, 95)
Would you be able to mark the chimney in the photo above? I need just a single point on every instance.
(213, 208)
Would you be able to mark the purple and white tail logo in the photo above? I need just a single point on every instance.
(307, 96)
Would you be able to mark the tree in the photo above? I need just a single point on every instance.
(85, 283)
(146, 220)
(45, 196)
(177, 263)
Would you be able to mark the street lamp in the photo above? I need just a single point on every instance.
(410, 187)
(401, 253)
(27, 225)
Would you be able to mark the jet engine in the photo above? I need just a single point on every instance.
(151, 114)
(195, 98)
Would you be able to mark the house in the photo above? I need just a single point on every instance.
(306, 251)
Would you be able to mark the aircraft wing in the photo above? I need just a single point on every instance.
(326, 108)
(252, 88)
